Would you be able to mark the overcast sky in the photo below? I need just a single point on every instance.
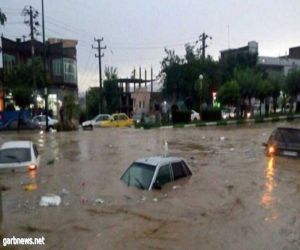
(136, 31)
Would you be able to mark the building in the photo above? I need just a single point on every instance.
(141, 101)
(294, 52)
(280, 65)
(251, 48)
(61, 61)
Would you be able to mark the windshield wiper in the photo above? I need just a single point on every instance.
(139, 183)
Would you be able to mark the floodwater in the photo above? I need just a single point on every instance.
(237, 197)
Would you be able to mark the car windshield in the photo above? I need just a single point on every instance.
(15, 155)
(288, 136)
(139, 175)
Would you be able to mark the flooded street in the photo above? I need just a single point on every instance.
(237, 197)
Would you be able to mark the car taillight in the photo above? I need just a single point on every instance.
(32, 167)
(271, 149)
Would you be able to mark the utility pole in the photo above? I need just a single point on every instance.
(33, 24)
(99, 56)
(203, 38)
(44, 67)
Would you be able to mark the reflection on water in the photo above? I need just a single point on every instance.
(268, 199)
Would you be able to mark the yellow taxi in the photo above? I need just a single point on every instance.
(118, 120)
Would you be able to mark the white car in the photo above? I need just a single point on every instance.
(154, 172)
(229, 112)
(40, 121)
(96, 121)
(19, 154)
(195, 116)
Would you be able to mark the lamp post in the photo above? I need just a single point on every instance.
(200, 108)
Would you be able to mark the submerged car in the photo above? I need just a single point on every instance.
(154, 172)
(19, 154)
(96, 121)
(118, 120)
(40, 121)
(284, 141)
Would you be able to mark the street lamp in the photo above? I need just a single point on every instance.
(200, 108)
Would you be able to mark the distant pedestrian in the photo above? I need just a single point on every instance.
(61, 114)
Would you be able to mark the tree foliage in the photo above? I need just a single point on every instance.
(3, 18)
(293, 82)
(229, 93)
(182, 76)
(92, 102)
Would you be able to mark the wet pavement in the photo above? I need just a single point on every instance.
(237, 197)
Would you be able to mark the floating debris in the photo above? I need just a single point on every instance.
(50, 162)
(50, 200)
(99, 200)
(30, 187)
(155, 200)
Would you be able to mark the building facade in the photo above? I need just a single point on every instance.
(61, 63)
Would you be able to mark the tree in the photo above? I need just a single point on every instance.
(182, 76)
(230, 62)
(111, 90)
(293, 86)
(263, 92)
(92, 102)
(20, 81)
(277, 81)
(3, 18)
(229, 93)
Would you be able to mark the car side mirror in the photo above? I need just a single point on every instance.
(157, 185)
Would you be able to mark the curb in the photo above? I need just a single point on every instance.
(233, 122)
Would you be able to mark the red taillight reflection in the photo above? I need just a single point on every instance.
(32, 167)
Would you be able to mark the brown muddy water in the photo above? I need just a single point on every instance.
(237, 197)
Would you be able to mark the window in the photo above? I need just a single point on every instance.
(139, 175)
(178, 170)
(57, 67)
(123, 117)
(15, 155)
(164, 175)
(70, 70)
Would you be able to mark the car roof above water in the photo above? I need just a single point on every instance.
(156, 160)
(16, 144)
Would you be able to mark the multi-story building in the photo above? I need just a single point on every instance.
(251, 48)
(280, 65)
(60, 62)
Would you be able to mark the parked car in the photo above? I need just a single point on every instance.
(284, 141)
(19, 154)
(228, 112)
(118, 120)
(195, 116)
(96, 121)
(154, 172)
(15, 124)
(40, 121)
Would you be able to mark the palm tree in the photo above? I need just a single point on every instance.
(3, 18)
